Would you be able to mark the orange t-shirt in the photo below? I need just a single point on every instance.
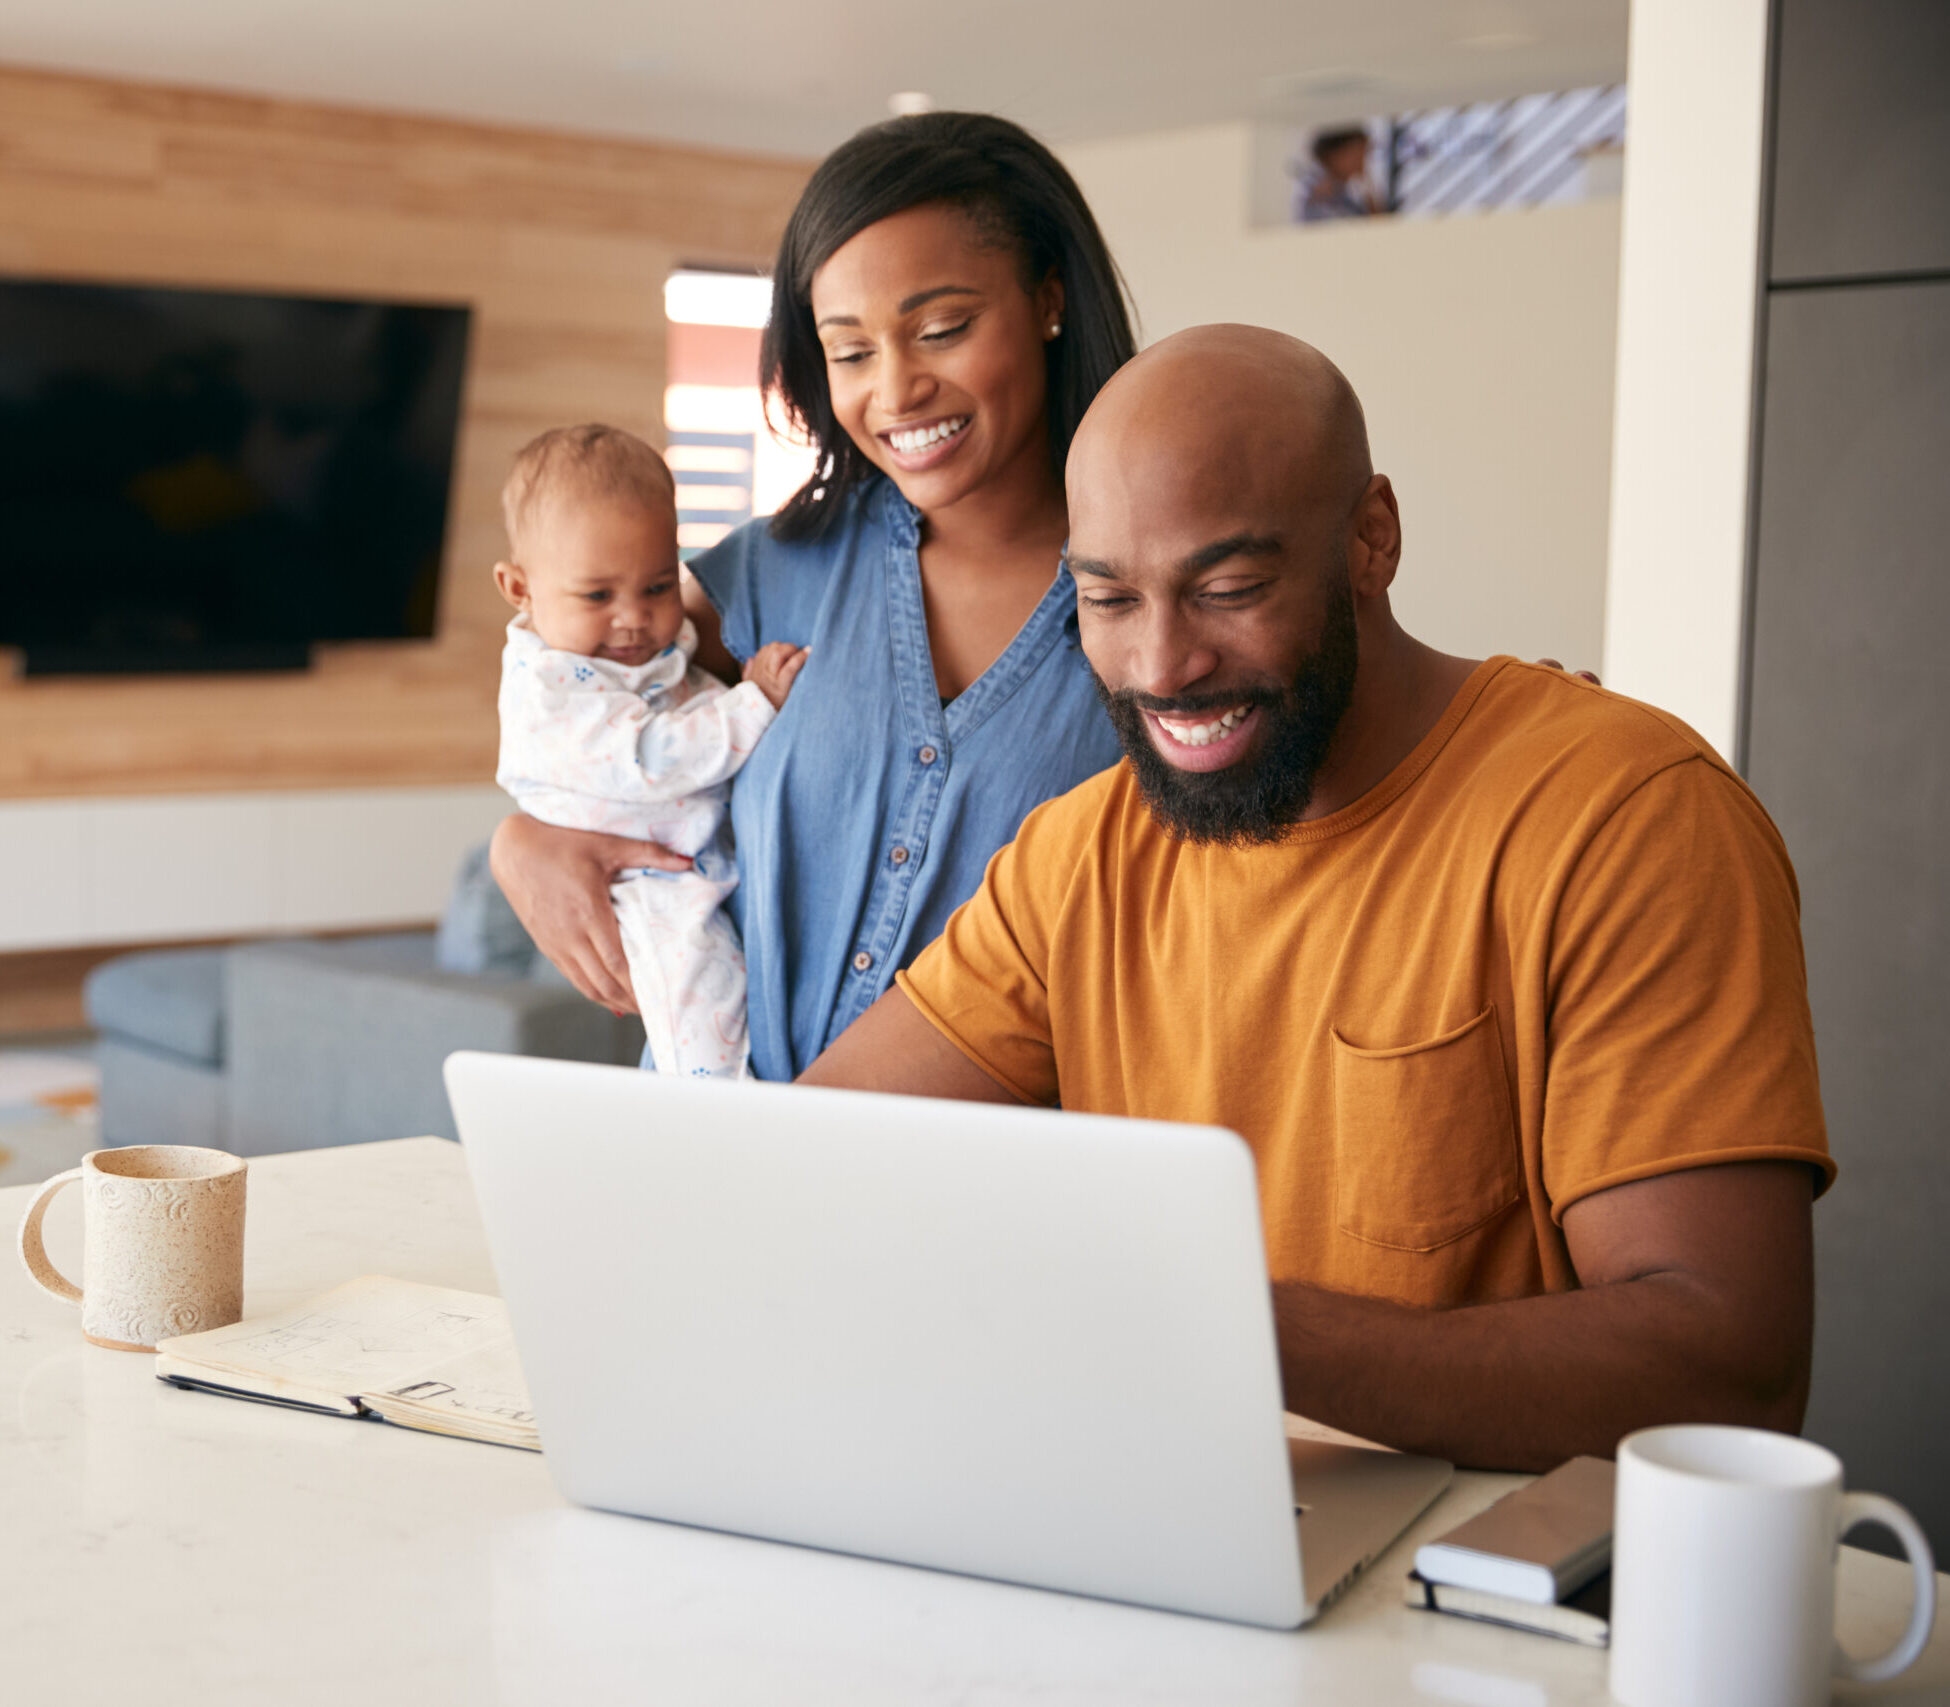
(1556, 949)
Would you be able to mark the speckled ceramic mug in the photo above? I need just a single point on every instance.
(162, 1243)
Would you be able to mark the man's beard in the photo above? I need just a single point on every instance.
(1262, 796)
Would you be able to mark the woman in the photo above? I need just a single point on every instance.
(943, 312)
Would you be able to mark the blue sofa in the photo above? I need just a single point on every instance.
(295, 1044)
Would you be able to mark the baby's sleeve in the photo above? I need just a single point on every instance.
(703, 742)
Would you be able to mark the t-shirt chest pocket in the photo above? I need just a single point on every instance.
(1425, 1148)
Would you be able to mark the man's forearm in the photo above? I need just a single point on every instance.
(892, 1047)
(1526, 1384)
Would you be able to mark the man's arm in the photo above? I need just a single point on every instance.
(1696, 1305)
(891, 1047)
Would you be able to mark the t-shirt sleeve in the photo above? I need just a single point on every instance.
(1678, 1028)
(984, 982)
(732, 573)
(767, 589)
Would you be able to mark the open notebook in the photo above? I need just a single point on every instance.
(425, 1357)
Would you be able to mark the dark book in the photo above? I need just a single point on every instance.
(1583, 1617)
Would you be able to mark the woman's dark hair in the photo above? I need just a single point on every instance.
(1012, 187)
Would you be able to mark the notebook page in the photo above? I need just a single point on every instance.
(373, 1333)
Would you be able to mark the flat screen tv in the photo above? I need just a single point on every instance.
(207, 480)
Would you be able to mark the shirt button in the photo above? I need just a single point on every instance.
(863, 961)
(928, 755)
(900, 856)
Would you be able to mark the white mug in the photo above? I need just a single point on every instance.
(162, 1229)
(1723, 1571)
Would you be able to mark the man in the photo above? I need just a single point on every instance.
(1487, 965)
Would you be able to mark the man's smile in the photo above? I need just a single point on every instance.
(1203, 741)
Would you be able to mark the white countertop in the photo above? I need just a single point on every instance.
(161, 1546)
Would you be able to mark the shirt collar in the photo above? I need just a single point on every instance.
(665, 670)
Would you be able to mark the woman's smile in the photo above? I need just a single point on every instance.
(926, 444)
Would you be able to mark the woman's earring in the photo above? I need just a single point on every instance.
(1055, 326)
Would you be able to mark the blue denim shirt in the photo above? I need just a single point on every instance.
(869, 810)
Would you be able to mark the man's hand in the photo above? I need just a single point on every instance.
(1590, 676)
(558, 883)
(1696, 1304)
(775, 667)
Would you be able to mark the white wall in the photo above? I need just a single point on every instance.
(210, 865)
(1689, 295)
(1482, 348)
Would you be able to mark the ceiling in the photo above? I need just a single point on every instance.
(797, 76)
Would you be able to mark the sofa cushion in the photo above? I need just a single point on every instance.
(479, 931)
(170, 999)
(155, 1096)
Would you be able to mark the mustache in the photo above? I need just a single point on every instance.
(1190, 704)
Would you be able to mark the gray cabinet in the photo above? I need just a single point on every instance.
(1862, 138)
(1849, 747)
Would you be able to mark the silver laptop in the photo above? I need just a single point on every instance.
(1007, 1342)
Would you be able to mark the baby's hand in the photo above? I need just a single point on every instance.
(774, 668)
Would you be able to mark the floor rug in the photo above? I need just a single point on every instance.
(49, 1114)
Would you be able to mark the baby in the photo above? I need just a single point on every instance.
(607, 725)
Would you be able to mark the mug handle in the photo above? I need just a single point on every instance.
(34, 1254)
(1873, 1508)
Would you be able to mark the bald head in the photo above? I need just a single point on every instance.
(1233, 549)
(1254, 409)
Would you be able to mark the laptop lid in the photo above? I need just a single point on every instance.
(1009, 1342)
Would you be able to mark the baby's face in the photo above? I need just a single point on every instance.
(601, 577)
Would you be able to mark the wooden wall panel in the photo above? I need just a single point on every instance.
(559, 243)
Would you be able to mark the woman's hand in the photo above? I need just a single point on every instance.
(558, 882)
(1590, 676)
